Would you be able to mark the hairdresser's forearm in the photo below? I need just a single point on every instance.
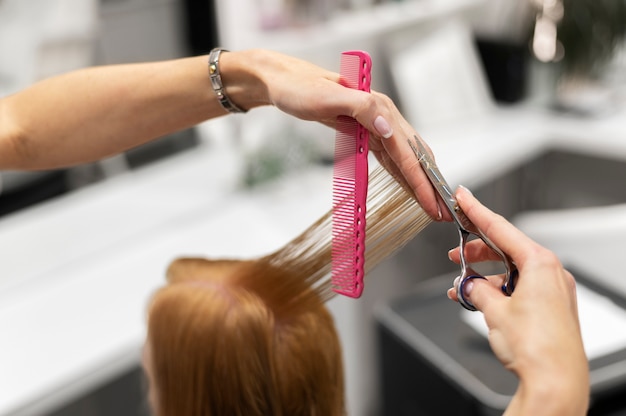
(565, 394)
(97, 112)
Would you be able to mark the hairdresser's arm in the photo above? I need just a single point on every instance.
(97, 112)
(535, 332)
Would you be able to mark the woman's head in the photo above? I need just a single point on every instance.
(241, 338)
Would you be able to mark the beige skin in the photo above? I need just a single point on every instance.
(535, 333)
(97, 112)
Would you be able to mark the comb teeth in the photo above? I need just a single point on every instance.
(350, 185)
(345, 147)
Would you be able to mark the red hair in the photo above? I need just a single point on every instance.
(242, 338)
(254, 338)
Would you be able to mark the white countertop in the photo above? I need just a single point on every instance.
(77, 271)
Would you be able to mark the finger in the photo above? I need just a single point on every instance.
(475, 251)
(494, 280)
(392, 139)
(501, 232)
(402, 155)
(484, 295)
(451, 293)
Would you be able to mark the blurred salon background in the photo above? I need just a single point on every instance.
(522, 101)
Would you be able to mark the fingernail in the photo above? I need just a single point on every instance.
(467, 287)
(466, 190)
(439, 214)
(449, 293)
(382, 127)
(450, 253)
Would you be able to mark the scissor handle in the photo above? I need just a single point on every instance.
(510, 269)
(507, 289)
(460, 292)
(464, 224)
(509, 282)
(467, 273)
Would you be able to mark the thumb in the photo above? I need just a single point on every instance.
(482, 294)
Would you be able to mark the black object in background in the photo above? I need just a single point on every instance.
(505, 65)
(201, 24)
(48, 186)
(124, 396)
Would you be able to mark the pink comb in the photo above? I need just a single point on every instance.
(350, 185)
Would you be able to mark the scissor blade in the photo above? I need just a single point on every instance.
(434, 175)
(465, 225)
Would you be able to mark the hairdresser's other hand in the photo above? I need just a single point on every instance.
(309, 92)
(535, 332)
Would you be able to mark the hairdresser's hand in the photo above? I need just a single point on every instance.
(309, 92)
(105, 110)
(535, 332)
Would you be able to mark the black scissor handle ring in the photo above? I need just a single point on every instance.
(509, 284)
(460, 292)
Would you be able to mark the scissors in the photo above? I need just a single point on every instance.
(465, 227)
